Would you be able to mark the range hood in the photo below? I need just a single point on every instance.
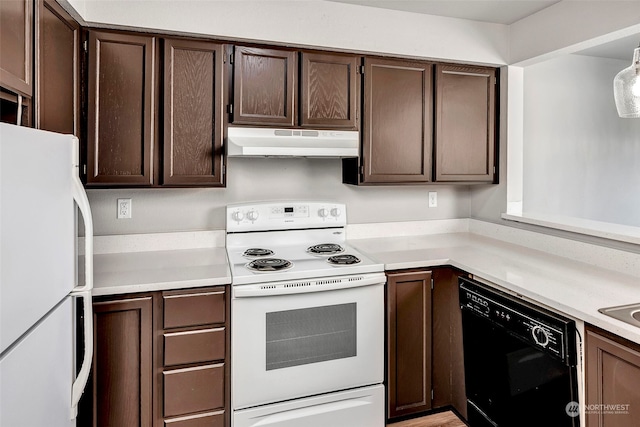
(263, 142)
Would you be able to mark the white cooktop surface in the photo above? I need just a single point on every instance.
(292, 246)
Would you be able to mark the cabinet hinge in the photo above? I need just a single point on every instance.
(224, 169)
(230, 108)
(85, 45)
(494, 170)
(432, 289)
(84, 169)
(361, 170)
(361, 69)
(432, 394)
(231, 58)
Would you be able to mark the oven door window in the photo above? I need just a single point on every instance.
(310, 335)
(304, 344)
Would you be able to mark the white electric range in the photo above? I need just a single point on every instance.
(307, 319)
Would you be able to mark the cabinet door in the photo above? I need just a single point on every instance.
(264, 86)
(329, 91)
(612, 376)
(448, 360)
(397, 123)
(409, 343)
(121, 109)
(465, 123)
(122, 362)
(16, 28)
(192, 150)
(57, 105)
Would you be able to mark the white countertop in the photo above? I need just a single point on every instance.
(574, 288)
(118, 273)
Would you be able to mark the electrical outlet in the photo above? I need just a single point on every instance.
(433, 199)
(124, 208)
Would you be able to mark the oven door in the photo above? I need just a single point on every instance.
(300, 343)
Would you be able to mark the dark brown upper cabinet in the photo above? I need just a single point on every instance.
(396, 123)
(465, 124)
(264, 86)
(57, 91)
(329, 92)
(399, 135)
(272, 88)
(124, 123)
(193, 113)
(121, 110)
(16, 45)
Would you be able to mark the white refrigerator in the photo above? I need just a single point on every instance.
(40, 195)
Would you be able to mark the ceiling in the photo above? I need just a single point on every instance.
(617, 49)
(496, 11)
(499, 12)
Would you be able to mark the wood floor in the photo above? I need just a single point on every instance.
(442, 419)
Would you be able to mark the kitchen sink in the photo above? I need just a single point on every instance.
(627, 313)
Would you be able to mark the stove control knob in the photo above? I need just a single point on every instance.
(335, 212)
(237, 216)
(323, 213)
(252, 215)
(540, 336)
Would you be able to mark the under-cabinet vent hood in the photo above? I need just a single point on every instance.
(263, 142)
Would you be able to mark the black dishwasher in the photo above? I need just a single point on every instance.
(519, 359)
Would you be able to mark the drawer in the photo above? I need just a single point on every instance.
(193, 309)
(209, 419)
(195, 389)
(206, 345)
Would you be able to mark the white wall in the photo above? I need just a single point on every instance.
(161, 210)
(564, 27)
(311, 22)
(569, 26)
(580, 158)
(561, 29)
(303, 22)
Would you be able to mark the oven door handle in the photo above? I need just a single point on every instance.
(307, 286)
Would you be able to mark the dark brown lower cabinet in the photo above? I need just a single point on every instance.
(409, 343)
(613, 380)
(123, 362)
(193, 373)
(424, 342)
(448, 358)
(160, 359)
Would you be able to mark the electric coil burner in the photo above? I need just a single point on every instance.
(325, 249)
(257, 252)
(345, 259)
(269, 264)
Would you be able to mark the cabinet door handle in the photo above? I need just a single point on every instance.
(19, 112)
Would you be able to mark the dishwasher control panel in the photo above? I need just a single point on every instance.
(539, 327)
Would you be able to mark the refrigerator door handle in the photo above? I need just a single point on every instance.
(83, 376)
(80, 197)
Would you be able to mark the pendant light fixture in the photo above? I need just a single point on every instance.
(626, 88)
